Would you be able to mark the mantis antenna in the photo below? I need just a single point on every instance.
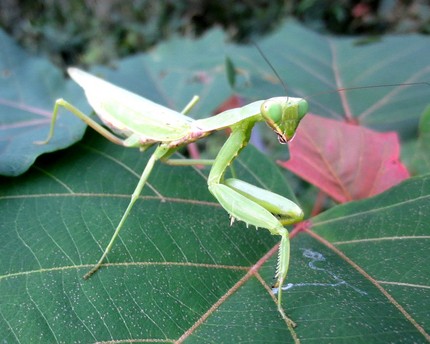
(354, 88)
(271, 67)
(334, 90)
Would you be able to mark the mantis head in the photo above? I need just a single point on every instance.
(283, 115)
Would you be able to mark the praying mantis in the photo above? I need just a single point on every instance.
(136, 122)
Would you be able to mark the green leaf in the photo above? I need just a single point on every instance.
(382, 243)
(28, 89)
(175, 71)
(178, 260)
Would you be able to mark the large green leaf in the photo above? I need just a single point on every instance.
(358, 273)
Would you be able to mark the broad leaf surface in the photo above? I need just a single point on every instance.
(359, 272)
(177, 258)
(348, 162)
(29, 87)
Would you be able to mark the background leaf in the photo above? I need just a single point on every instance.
(347, 162)
(28, 89)
(359, 272)
(176, 70)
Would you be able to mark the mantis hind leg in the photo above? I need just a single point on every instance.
(92, 123)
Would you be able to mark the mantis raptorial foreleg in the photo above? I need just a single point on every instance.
(253, 205)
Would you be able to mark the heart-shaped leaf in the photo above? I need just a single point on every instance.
(178, 270)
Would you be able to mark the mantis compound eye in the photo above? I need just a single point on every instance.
(272, 111)
(303, 108)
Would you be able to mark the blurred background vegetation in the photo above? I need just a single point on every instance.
(99, 31)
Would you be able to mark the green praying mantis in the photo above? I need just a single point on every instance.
(138, 122)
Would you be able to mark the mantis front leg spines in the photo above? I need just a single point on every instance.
(142, 123)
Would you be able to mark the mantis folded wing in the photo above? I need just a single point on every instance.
(138, 122)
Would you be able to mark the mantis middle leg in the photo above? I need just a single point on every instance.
(159, 152)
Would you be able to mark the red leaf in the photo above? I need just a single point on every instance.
(231, 103)
(346, 161)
